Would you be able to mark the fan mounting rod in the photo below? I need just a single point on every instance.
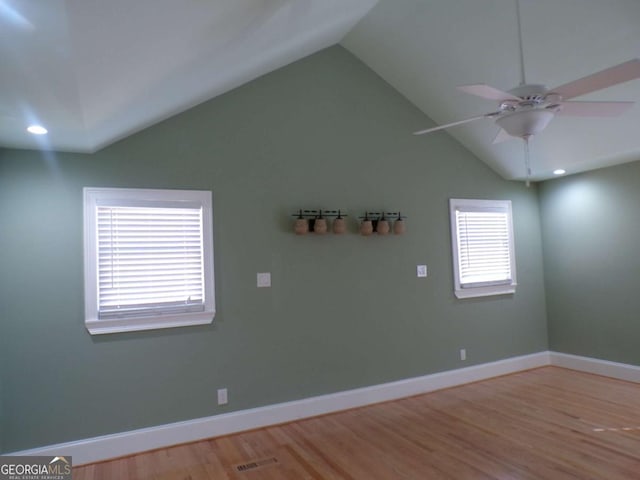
(523, 80)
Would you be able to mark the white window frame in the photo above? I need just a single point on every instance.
(149, 197)
(481, 290)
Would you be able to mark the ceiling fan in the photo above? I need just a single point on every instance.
(527, 109)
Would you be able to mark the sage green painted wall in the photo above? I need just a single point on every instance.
(3, 311)
(591, 232)
(2, 348)
(344, 311)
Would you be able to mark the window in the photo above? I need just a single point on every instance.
(148, 259)
(483, 252)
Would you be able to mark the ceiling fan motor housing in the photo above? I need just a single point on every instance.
(530, 93)
(521, 118)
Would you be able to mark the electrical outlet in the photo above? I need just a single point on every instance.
(222, 396)
(421, 270)
(463, 354)
(264, 280)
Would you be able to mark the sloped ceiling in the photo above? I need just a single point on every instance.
(425, 48)
(96, 71)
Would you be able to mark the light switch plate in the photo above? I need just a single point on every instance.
(264, 280)
(422, 270)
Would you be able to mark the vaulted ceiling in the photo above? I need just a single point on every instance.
(425, 48)
(95, 71)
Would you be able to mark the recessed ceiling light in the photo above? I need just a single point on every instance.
(559, 171)
(37, 129)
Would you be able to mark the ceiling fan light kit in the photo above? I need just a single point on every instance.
(525, 123)
(527, 109)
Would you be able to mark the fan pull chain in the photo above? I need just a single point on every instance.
(527, 160)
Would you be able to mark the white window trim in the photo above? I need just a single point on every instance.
(95, 196)
(481, 291)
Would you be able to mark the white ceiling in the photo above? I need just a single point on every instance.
(96, 71)
(424, 48)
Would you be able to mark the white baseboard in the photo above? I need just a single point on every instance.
(621, 371)
(128, 443)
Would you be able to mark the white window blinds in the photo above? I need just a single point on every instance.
(483, 247)
(150, 260)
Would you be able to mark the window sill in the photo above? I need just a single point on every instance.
(100, 327)
(485, 291)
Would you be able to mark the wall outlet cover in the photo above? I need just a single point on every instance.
(264, 280)
(422, 271)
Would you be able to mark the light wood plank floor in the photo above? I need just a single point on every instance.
(548, 423)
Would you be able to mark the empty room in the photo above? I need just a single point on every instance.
(320, 239)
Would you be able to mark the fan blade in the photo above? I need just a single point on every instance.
(606, 78)
(485, 91)
(453, 124)
(502, 136)
(594, 109)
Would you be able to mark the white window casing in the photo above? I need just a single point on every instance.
(483, 247)
(148, 259)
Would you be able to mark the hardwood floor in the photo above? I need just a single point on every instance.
(547, 423)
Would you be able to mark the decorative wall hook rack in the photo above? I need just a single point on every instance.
(380, 223)
(315, 220)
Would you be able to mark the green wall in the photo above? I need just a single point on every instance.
(3, 310)
(2, 347)
(591, 229)
(344, 311)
